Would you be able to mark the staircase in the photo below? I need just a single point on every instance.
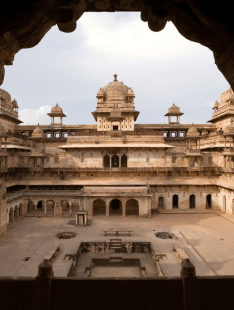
(116, 245)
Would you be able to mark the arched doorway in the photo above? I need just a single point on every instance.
(224, 203)
(115, 207)
(65, 205)
(208, 202)
(30, 206)
(16, 213)
(11, 215)
(175, 201)
(160, 202)
(132, 207)
(99, 207)
(192, 201)
(124, 161)
(115, 161)
(40, 205)
(50, 205)
(106, 161)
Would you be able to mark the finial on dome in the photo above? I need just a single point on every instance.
(56, 104)
(115, 77)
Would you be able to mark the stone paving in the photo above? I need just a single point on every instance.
(207, 239)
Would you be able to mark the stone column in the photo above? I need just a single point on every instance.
(35, 206)
(124, 208)
(107, 208)
(57, 209)
(45, 206)
(70, 206)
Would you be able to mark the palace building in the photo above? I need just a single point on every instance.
(115, 167)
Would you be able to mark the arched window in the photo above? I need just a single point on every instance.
(106, 161)
(124, 161)
(160, 202)
(175, 201)
(115, 161)
(192, 202)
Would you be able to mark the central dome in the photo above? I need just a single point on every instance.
(226, 96)
(116, 90)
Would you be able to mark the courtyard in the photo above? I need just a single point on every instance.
(206, 238)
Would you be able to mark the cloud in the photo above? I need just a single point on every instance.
(161, 67)
(33, 117)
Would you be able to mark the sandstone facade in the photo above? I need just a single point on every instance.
(116, 167)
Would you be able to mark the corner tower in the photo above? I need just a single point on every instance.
(115, 107)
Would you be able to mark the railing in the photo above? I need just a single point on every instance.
(187, 292)
(114, 169)
(106, 133)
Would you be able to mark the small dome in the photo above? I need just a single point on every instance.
(216, 105)
(5, 95)
(229, 129)
(130, 92)
(100, 92)
(228, 95)
(38, 132)
(174, 109)
(56, 109)
(15, 104)
(192, 132)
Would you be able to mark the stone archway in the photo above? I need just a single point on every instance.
(175, 201)
(124, 161)
(208, 201)
(16, 212)
(115, 161)
(11, 215)
(40, 205)
(192, 201)
(197, 21)
(99, 207)
(132, 207)
(106, 161)
(115, 207)
(50, 205)
(161, 202)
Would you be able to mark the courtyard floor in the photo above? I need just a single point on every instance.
(207, 239)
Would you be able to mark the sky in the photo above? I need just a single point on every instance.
(162, 68)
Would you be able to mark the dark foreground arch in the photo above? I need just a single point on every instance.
(197, 21)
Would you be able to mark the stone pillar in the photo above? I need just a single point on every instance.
(190, 286)
(107, 208)
(70, 206)
(45, 211)
(35, 206)
(57, 209)
(42, 290)
(124, 208)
